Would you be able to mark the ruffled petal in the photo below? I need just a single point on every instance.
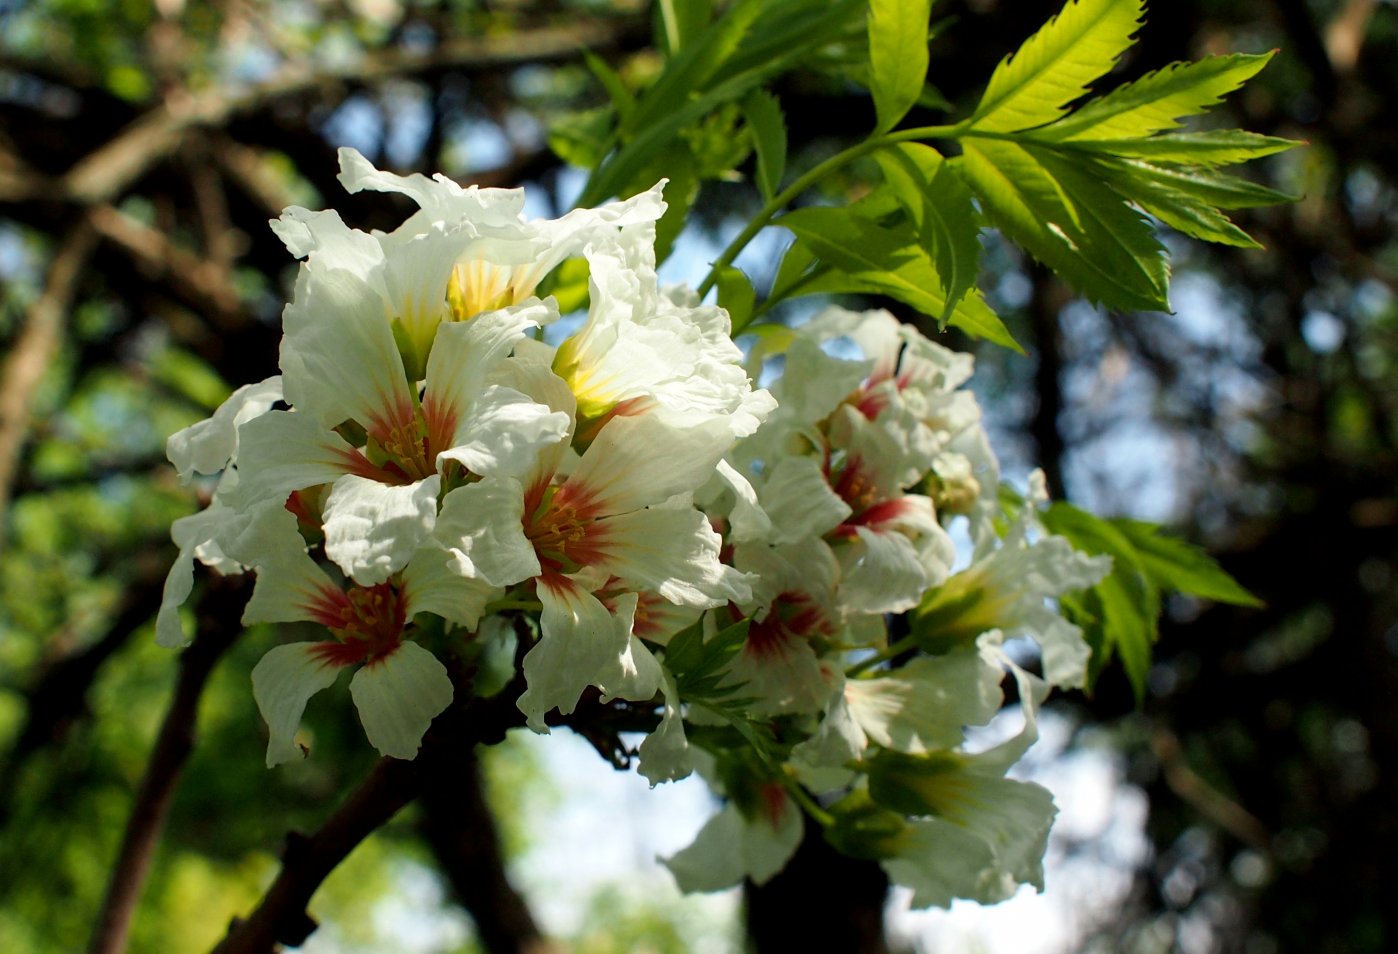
(580, 644)
(209, 446)
(481, 524)
(673, 552)
(373, 529)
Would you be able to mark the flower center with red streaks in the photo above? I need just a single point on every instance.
(367, 620)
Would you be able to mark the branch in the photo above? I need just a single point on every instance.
(33, 352)
(281, 917)
(459, 828)
(105, 173)
(218, 627)
(198, 280)
(1204, 798)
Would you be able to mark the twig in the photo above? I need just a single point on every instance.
(105, 173)
(218, 627)
(281, 917)
(1205, 799)
(33, 352)
(195, 278)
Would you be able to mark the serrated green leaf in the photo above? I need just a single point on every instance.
(1176, 209)
(1215, 188)
(680, 21)
(897, 56)
(942, 209)
(700, 666)
(867, 257)
(1158, 100)
(764, 116)
(733, 56)
(1056, 65)
(1224, 147)
(736, 295)
(1182, 567)
(1069, 221)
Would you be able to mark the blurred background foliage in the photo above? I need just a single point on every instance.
(143, 148)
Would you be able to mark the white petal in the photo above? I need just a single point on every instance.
(664, 754)
(338, 357)
(481, 524)
(798, 500)
(432, 583)
(730, 847)
(941, 862)
(746, 519)
(283, 451)
(926, 704)
(638, 461)
(466, 352)
(209, 446)
(712, 862)
(673, 552)
(197, 537)
(398, 696)
(372, 529)
(579, 640)
(883, 573)
(282, 682)
(325, 235)
(504, 433)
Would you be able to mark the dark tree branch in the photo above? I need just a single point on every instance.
(459, 828)
(281, 917)
(219, 611)
(33, 351)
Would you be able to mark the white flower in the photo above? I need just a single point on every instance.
(399, 686)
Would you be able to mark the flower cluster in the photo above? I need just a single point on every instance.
(767, 575)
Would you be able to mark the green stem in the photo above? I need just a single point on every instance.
(897, 649)
(532, 606)
(810, 178)
(808, 804)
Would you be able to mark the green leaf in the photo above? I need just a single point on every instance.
(1120, 613)
(943, 210)
(764, 116)
(795, 266)
(868, 257)
(736, 295)
(1177, 209)
(737, 55)
(1056, 65)
(897, 56)
(1223, 147)
(1157, 101)
(1176, 565)
(680, 21)
(622, 100)
(582, 139)
(1069, 221)
(700, 666)
(1216, 188)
